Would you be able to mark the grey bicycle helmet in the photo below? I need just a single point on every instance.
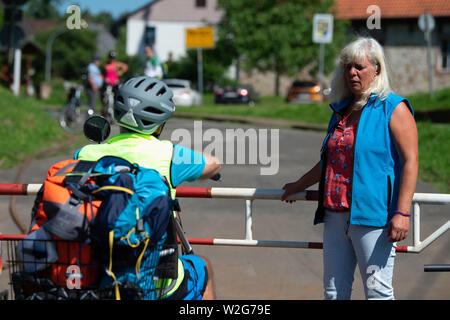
(143, 104)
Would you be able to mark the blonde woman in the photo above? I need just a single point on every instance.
(367, 174)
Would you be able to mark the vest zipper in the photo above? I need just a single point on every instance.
(389, 193)
(354, 162)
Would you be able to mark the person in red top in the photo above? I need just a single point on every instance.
(112, 71)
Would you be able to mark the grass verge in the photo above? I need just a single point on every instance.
(25, 128)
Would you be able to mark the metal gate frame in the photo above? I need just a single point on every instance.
(251, 194)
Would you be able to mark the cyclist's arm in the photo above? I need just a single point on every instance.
(188, 165)
(121, 68)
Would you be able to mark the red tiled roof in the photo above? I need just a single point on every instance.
(357, 9)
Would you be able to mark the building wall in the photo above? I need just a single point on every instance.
(169, 37)
(406, 52)
(170, 18)
(409, 69)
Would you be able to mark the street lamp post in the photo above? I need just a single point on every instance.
(48, 53)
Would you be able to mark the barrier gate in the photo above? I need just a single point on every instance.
(251, 194)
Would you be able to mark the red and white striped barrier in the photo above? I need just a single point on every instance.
(13, 189)
(251, 194)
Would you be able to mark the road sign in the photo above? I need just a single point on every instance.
(323, 28)
(202, 37)
(426, 22)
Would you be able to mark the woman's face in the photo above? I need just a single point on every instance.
(359, 75)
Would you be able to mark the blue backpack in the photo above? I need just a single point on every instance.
(130, 227)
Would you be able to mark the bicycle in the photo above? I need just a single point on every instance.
(74, 114)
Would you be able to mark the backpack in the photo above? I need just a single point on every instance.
(60, 218)
(133, 231)
(115, 215)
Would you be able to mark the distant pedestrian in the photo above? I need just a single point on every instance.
(367, 174)
(95, 81)
(153, 67)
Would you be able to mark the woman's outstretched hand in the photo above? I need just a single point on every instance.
(290, 189)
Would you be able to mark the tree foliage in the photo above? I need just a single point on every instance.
(71, 52)
(42, 9)
(277, 35)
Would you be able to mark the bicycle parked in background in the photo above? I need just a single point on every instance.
(108, 97)
(74, 113)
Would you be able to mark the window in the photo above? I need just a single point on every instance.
(149, 36)
(445, 55)
(200, 3)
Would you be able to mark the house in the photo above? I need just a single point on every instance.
(162, 24)
(403, 41)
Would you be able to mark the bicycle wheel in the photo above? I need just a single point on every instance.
(73, 116)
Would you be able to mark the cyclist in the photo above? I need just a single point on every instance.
(142, 107)
(113, 69)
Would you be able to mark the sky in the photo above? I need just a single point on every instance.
(115, 7)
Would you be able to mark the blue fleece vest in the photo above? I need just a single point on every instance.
(376, 168)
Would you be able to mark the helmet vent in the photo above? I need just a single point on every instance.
(146, 123)
(150, 86)
(153, 110)
(139, 83)
(161, 92)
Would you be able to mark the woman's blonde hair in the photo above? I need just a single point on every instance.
(356, 51)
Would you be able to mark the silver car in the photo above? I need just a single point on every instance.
(183, 93)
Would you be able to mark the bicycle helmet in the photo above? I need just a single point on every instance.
(143, 104)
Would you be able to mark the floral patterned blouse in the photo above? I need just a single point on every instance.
(339, 171)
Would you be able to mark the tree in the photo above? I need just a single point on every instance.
(72, 51)
(42, 9)
(277, 35)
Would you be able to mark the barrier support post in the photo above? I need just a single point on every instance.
(248, 219)
(416, 224)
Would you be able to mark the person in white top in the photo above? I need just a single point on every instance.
(153, 67)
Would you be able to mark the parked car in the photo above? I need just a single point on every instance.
(237, 94)
(304, 91)
(184, 95)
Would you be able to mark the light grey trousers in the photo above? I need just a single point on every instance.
(346, 245)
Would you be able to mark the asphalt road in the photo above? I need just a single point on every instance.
(265, 273)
